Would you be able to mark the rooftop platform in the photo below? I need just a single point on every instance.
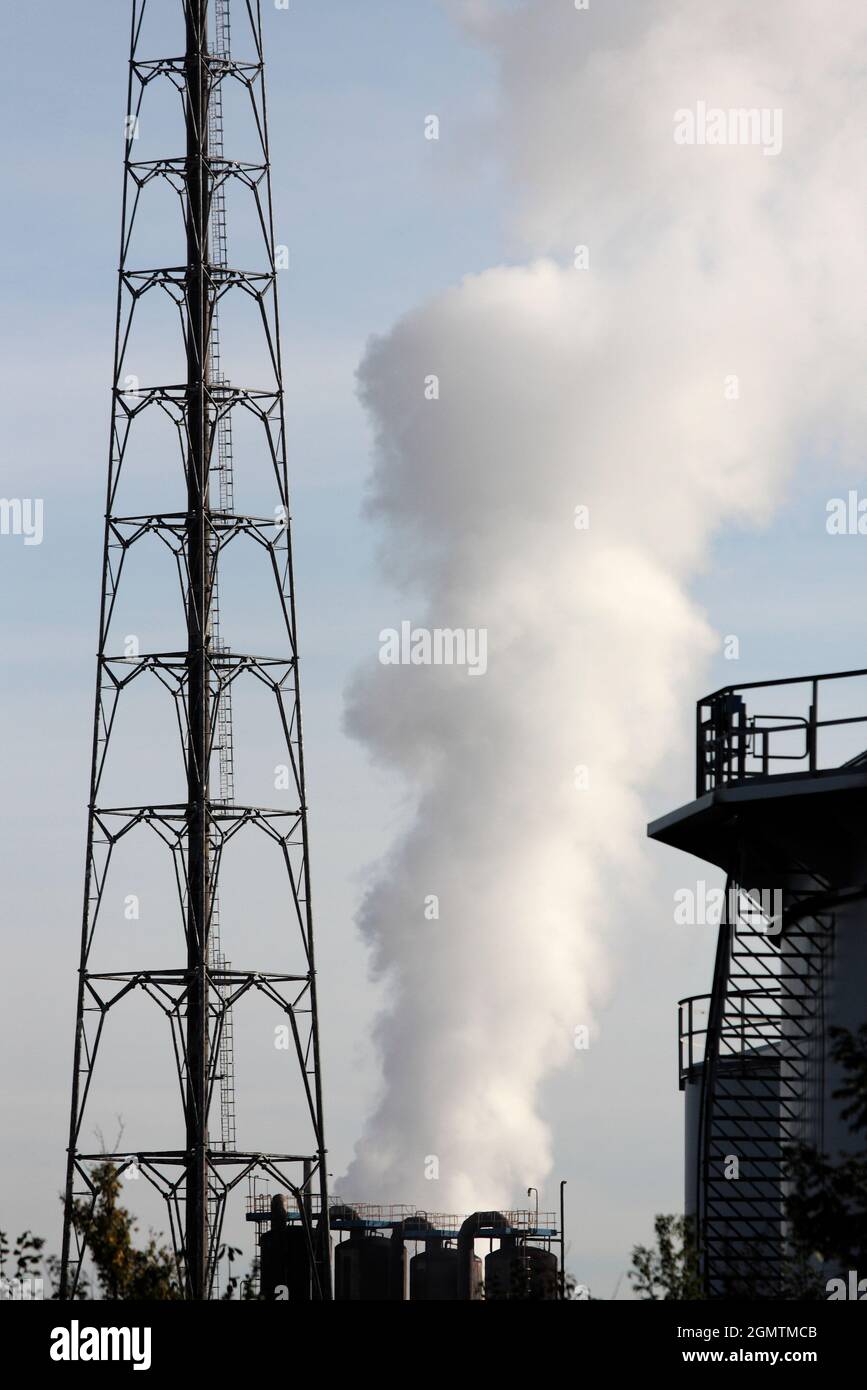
(773, 768)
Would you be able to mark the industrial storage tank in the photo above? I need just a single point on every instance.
(285, 1264)
(780, 802)
(362, 1267)
(285, 1257)
(434, 1274)
(520, 1271)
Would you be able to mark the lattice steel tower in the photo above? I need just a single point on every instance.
(198, 993)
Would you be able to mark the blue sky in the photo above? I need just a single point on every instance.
(378, 221)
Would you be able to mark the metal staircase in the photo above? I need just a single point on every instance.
(764, 1035)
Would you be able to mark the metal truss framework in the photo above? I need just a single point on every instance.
(197, 995)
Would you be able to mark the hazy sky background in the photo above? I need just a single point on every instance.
(380, 222)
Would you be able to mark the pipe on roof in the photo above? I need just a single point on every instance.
(480, 1220)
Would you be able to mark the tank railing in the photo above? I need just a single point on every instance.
(382, 1215)
(532, 1223)
(752, 1023)
(375, 1216)
(691, 1038)
(733, 746)
(258, 1206)
(379, 1216)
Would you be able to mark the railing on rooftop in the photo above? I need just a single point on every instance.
(782, 730)
(377, 1215)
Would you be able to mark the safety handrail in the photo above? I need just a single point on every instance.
(734, 745)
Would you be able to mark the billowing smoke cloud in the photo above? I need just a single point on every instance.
(713, 342)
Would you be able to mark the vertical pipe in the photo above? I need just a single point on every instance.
(699, 754)
(198, 604)
(530, 1191)
(313, 1235)
(563, 1238)
(308, 1200)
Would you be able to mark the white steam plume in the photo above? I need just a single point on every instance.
(609, 388)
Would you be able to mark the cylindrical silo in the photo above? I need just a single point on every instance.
(285, 1257)
(520, 1271)
(434, 1274)
(362, 1267)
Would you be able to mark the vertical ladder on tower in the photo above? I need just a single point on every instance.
(222, 478)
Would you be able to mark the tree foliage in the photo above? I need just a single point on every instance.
(19, 1262)
(669, 1270)
(123, 1271)
(827, 1204)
